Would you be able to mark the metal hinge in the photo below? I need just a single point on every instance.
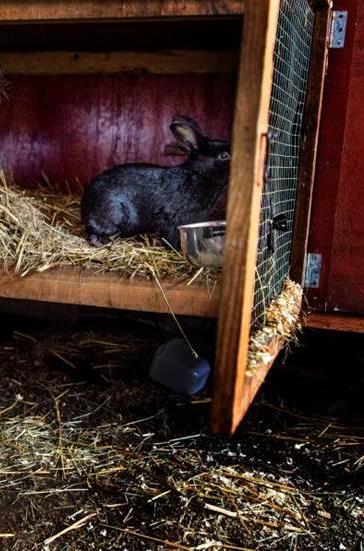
(338, 29)
(312, 270)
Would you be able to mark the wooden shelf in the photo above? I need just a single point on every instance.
(81, 287)
(13, 11)
(83, 63)
(335, 321)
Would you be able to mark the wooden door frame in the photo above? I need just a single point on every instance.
(243, 211)
(233, 391)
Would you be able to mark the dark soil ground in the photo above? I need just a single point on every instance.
(94, 456)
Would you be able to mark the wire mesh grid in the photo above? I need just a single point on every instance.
(291, 66)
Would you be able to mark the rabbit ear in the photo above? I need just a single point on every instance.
(187, 131)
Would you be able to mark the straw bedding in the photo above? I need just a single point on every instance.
(41, 229)
(281, 321)
(92, 456)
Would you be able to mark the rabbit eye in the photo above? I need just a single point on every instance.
(224, 156)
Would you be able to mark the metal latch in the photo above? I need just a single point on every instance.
(338, 29)
(312, 270)
(279, 222)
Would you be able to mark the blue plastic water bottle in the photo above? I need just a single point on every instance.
(179, 369)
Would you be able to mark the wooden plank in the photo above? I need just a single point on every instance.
(246, 182)
(310, 140)
(13, 11)
(334, 321)
(252, 383)
(80, 287)
(168, 62)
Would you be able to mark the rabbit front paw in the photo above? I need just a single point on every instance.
(98, 241)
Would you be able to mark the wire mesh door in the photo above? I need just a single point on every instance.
(283, 54)
(290, 76)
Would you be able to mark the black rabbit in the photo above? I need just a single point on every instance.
(138, 198)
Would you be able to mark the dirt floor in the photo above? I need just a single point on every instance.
(94, 456)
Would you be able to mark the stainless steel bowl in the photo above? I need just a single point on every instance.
(203, 243)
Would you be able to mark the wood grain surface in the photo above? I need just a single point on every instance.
(81, 287)
(66, 10)
(246, 181)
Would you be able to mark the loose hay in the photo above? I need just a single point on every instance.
(40, 230)
(281, 321)
(118, 476)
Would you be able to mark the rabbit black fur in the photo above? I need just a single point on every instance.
(136, 198)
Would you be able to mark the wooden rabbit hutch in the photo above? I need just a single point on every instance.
(95, 84)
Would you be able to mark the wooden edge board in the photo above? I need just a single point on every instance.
(243, 213)
(252, 383)
(335, 321)
(311, 127)
(80, 287)
(169, 62)
(13, 11)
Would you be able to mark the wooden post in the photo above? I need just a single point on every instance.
(245, 192)
(311, 125)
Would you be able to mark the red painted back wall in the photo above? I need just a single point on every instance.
(74, 126)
